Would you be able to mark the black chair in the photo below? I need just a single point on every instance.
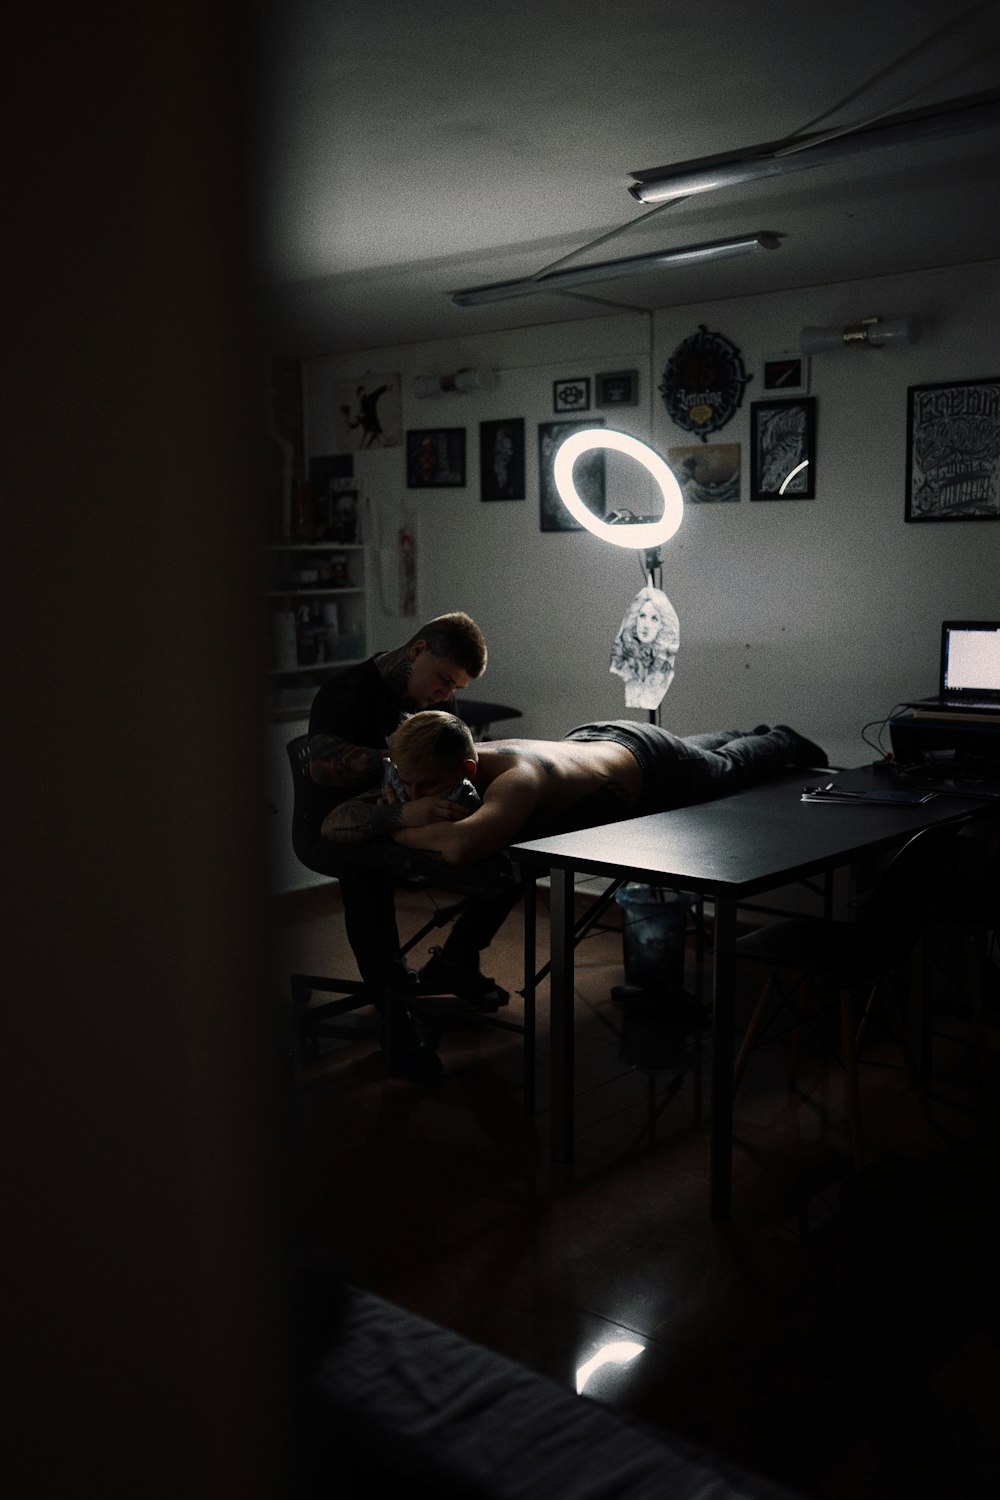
(871, 954)
(331, 1018)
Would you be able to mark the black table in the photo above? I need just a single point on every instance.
(729, 850)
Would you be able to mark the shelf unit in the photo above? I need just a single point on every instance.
(315, 596)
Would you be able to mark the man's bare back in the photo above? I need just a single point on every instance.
(562, 772)
(528, 782)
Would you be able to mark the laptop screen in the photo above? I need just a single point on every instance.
(970, 656)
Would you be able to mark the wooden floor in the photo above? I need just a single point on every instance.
(840, 1335)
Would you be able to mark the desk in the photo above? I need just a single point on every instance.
(729, 850)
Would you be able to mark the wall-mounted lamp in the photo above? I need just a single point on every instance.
(483, 379)
(874, 333)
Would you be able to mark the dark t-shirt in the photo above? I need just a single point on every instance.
(355, 705)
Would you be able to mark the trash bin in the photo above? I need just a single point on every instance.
(654, 922)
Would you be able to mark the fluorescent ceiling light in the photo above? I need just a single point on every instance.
(647, 534)
(777, 158)
(633, 265)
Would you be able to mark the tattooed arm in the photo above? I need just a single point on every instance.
(508, 803)
(334, 762)
(379, 812)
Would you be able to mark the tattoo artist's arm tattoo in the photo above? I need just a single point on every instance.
(361, 819)
(335, 762)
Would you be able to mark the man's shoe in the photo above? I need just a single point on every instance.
(803, 751)
(441, 975)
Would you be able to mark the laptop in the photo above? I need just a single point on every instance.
(969, 678)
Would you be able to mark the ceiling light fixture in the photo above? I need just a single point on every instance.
(608, 270)
(871, 333)
(778, 158)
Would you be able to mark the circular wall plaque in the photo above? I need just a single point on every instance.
(703, 382)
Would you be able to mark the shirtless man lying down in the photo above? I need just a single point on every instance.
(598, 773)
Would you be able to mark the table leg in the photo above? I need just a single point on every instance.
(723, 976)
(561, 988)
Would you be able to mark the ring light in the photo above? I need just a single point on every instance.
(647, 534)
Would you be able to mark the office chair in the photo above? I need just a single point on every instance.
(310, 1022)
(871, 954)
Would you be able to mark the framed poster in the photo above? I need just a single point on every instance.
(617, 388)
(707, 475)
(953, 451)
(785, 374)
(572, 394)
(501, 459)
(435, 458)
(367, 413)
(783, 449)
(588, 476)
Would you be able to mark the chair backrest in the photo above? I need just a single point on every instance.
(898, 907)
(309, 848)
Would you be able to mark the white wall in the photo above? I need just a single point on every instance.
(821, 613)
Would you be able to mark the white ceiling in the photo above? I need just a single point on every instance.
(408, 149)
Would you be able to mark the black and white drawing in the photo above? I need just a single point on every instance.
(367, 413)
(645, 648)
(783, 449)
(953, 451)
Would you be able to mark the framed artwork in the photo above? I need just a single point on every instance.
(953, 451)
(617, 388)
(319, 514)
(785, 374)
(707, 475)
(501, 459)
(368, 413)
(435, 458)
(783, 449)
(336, 512)
(703, 382)
(572, 394)
(588, 476)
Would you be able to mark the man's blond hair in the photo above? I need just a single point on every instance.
(433, 735)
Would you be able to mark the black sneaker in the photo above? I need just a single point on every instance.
(441, 975)
(803, 752)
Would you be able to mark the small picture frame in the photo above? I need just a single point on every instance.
(571, 394)
(501, 459)
(785, 374)
(435, 458)
(616, 388)
(783, 449)
(953, 451)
